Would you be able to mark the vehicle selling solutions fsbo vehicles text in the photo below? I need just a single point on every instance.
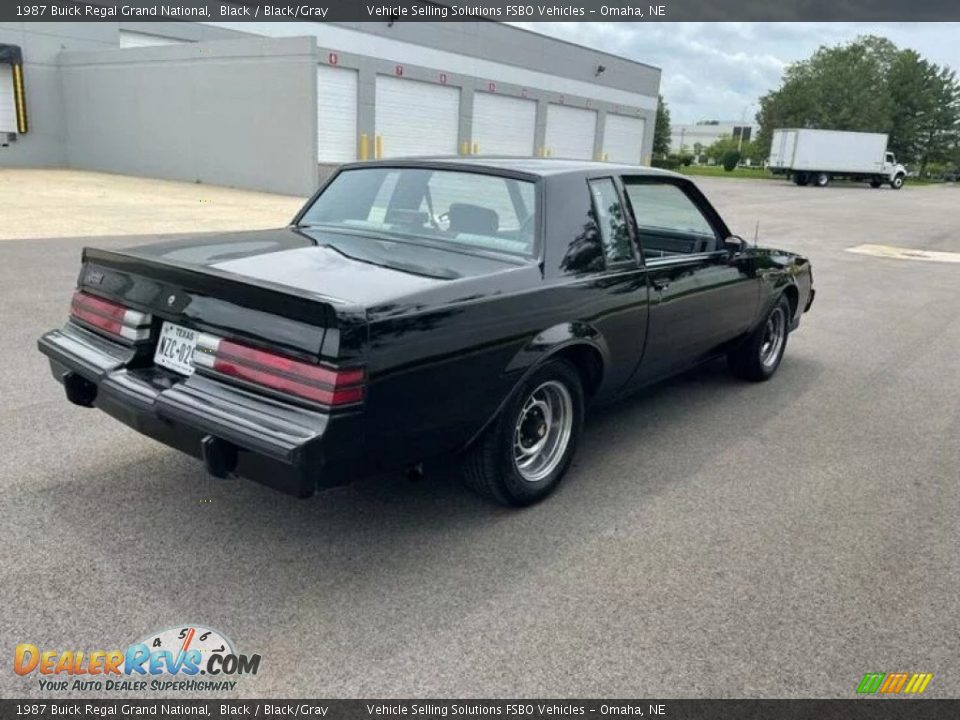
(402, 12)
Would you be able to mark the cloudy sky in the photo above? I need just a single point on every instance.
(719, 70)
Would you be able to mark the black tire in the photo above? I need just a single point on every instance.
(875, 184)
(750, 359)
(897, 182)
(801, 179)
(490, 468)
(821, 179)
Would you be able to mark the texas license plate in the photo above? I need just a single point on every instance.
(175, 348)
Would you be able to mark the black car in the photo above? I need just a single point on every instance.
(422, 308)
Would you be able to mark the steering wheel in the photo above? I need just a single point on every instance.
(441, 222)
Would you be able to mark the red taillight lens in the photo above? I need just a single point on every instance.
(110, 317)
(326, 386)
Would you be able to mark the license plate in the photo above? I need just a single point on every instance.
(175, 348)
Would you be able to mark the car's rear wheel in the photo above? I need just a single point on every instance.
(758, 356)
(821, 179)
(801, 179)
(523, 455)
(875, 184)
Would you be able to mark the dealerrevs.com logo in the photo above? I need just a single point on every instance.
(184, 659)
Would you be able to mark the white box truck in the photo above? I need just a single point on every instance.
(809, 156)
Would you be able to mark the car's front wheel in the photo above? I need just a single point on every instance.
(523, 455)
(897, 182)
(758, 356)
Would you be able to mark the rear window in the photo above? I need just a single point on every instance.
(470, 210)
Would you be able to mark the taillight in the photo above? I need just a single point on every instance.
(110, 317)
(326, 386)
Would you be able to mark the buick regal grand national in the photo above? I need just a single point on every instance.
(469, 307)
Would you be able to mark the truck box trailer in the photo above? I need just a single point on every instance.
(813, 156)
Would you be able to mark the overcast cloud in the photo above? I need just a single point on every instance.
(719, 70)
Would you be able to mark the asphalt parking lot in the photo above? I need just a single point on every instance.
(715, 538)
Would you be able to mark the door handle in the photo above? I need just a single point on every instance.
(660, 285)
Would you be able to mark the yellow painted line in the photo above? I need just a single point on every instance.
(899, 253)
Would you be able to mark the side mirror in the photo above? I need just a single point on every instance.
(735, 245)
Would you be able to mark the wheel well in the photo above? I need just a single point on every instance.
(589, 363)
(793, 297)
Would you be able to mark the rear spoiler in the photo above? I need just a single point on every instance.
(302, 321)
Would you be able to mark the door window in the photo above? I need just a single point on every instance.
(611, 221)
(668, 221)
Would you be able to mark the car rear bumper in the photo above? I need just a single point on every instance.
(234, 431)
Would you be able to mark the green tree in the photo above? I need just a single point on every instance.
(841, 88)
(869, 85)
(730, 160)
(926, 114)
(661, 132)
(720, 147)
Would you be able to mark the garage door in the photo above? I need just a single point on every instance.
(130, 39)
(416, 118)
(336, 114)
(503, 125)
(570, 132)
(8, 108)
(623, 139)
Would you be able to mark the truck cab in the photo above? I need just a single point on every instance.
(893, 172)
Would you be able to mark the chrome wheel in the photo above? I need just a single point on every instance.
(774, 333)
(543, 431)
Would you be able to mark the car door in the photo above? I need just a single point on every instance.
(702, 296)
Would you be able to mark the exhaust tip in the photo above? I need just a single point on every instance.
(219, 456)
(80, 391)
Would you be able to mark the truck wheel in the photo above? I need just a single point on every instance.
(522, 456)
(821, 179)
(758, 356)
(897, 182)
(875, 184)
(801, 179)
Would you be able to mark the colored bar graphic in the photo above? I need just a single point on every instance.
(893, 683)
(871, 683)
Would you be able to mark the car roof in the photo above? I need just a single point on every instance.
(541, 167)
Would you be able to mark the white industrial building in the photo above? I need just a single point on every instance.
(276, 105)
(687, 138)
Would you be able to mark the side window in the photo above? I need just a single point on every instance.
(668, 221)
(611, 221)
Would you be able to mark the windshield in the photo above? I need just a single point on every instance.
(465, 209)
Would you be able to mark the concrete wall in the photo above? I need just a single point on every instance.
(42, 43)
(240, 113)
(243, 112)
(521, 48)
(471, 55)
